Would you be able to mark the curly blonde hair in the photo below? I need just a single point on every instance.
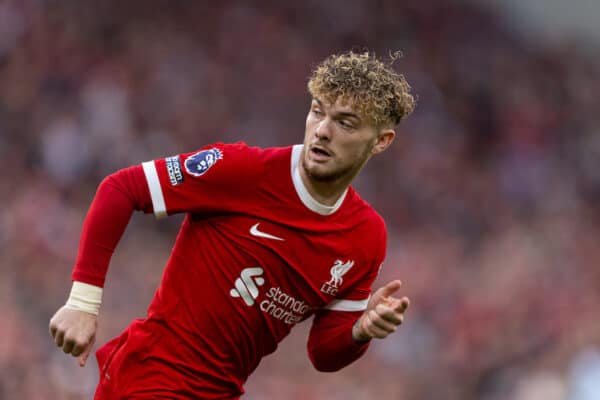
(380, 94)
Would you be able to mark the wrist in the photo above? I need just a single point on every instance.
(358, 334)
(85, 297)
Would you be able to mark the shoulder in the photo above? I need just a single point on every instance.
(272, 154)
(369, 226)
(236, 157)
(366, 215)
(216, 162)
(375, 225)
(241, 150)
(271, 163)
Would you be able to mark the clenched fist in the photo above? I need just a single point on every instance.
(74, 332)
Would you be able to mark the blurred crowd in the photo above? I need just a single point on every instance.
(491, 192)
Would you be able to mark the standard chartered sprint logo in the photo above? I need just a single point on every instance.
(245, 285)
(278, 304)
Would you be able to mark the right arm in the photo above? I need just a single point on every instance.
(193, 182)
(73, 327)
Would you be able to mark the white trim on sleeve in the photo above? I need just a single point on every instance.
(158, 200)
(348, 305)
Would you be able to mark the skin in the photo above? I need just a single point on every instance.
(348, 141)
(74, 332)
(338, 142)
(383, 315)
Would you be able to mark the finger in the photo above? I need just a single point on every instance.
(383, 323)
(81, 346)
(390, 288)
(389, 314)
(376, 332)
(59, 338)
(370, 327)
(78, 349)
(52, 328)
(86, 353)
(68, 345)
(401, 305)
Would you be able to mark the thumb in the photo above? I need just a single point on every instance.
(86, 353)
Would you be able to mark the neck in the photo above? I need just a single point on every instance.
(326, 193)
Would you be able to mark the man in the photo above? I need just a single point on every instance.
(271, 237)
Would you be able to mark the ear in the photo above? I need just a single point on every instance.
(384, 138)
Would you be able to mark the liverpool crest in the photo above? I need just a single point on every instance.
(338, 270)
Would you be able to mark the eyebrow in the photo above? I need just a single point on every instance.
(340, 114)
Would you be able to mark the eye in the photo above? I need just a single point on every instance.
(317, 111)
(346, 124)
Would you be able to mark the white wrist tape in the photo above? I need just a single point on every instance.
(85, 297)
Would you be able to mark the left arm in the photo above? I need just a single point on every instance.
(338, 338)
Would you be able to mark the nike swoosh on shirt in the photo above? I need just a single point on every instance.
(255, 232)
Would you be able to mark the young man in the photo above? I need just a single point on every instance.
(272, 236)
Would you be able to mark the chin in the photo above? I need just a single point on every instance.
(319, 172)
(321, 176)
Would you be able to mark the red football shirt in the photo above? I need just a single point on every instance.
(255, 255)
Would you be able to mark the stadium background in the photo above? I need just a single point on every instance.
(491, 191)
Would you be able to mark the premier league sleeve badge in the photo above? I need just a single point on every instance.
(199, 163)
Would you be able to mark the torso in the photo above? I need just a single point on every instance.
(240, 278)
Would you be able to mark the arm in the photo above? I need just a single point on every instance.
(73, 327)
(181, 183)
(330, 343)
(338, 338)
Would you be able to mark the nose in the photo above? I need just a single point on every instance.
(323, 130)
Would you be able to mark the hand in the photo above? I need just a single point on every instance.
(383, 315)
(74, 332)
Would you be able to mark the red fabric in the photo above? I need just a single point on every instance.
(330, 344)
(228, 295)
(116, 198)
(132, 367)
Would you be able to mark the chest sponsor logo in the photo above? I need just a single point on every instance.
(246, 285)
(338, 270)
(277, 303)
(174, 170)
(201, 162)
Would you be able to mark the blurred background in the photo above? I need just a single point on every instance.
(491, 192)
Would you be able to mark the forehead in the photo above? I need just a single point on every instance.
(340, 105)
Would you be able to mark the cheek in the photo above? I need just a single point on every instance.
(310, 124)
(355, 149)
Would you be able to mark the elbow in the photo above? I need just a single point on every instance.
(326, 368)
(324, 364)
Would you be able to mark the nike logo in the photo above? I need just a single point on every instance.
(255, 232)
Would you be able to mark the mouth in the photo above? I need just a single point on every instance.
(319, 153)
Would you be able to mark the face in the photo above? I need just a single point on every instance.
(338, 142)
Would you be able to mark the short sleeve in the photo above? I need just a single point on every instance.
(212, 179)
